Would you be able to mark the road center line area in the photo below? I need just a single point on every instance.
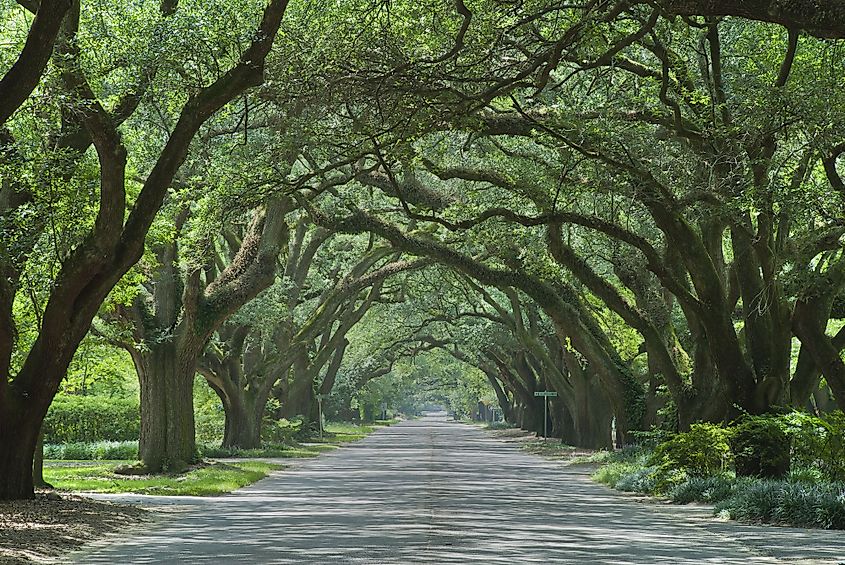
(435, 491)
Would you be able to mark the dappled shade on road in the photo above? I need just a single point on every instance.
(431, 491)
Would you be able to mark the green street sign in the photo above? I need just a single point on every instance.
(545, 393)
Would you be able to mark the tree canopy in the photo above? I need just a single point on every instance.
(637, 205)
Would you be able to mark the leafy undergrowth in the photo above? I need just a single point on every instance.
(208, 480)
(94, 450)
(801, 500)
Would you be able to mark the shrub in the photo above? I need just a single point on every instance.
(651, 438)
(701, 452)
(611, 473)
(280, 430)
(783, 502)
(641, 480)
(818, 443)
(620, 465)
(73, 419)
(754, 502)
(761, 447)
(703, 489)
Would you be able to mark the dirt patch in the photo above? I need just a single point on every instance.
(39, 530)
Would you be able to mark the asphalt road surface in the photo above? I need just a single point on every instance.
(433, 491)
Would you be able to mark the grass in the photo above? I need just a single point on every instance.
(388, 422)
(343, 432)
(267, 452)
(96, 450)
(214, 479)
(549, 448)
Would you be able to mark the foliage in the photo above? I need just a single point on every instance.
(100, 369)
(761, 447)
(92, 418)
(687, 472)
(701, 452)
(787, 503)
(618, 465)
(279, 430)
(209, 419)
(208, 480)
(99, 450)
(818, 443)
(703, 489)
(642, 480)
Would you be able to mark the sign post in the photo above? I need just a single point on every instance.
(320, 413)
(545, 394)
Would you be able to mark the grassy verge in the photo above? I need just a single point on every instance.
(88, 454)
(266, 452)
(338, 433)
(554, 449)
(208, 480)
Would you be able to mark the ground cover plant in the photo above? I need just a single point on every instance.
(741, 469)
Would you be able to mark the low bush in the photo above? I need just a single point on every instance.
(703, 451)
(787, 503)
(703, 489)
(73, 419)
(696, 466)
(280, 430)
(620, 464)
(642, 480)
(761, 447)
(818, 443)
(100, 450)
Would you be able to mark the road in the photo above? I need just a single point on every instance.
(432, 491)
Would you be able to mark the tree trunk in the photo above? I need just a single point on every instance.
(241, 429)
(38, 464)
(243, 417)
(166, 375)
(501, 396)
(820, 346)
(592, 414)
(18, 439)
(300, 395)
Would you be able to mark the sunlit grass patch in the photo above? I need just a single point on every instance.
(344, 432)
(266, 452)
(388, 422)
(209, 480)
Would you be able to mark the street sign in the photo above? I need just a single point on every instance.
(320, 412)
(545, 394)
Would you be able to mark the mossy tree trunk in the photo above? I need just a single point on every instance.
(175, 316)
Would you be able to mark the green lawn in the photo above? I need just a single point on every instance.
(267, 452)
(345, 432)
(217, 478)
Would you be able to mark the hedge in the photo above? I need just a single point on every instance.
(74, 419)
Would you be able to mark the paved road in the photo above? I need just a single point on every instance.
(431, 491)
